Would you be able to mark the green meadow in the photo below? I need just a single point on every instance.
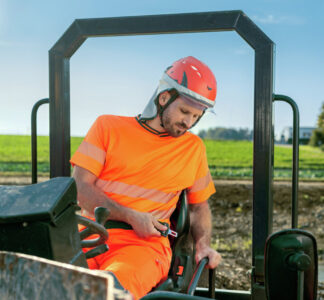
(234, 159)
(226, 159)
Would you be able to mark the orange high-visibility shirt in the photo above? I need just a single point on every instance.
(142, 169)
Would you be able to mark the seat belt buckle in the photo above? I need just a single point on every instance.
(168, 231)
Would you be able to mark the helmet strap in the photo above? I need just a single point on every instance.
(198, 119)
(161, 108)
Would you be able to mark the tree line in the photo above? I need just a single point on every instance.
(222, 133)
(317, 138)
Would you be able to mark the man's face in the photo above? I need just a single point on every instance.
(180, 116)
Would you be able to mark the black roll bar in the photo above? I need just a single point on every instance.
(34, 137)
(295, 162)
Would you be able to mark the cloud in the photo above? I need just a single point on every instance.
(272, 19)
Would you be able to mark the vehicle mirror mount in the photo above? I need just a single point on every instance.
(291, 266)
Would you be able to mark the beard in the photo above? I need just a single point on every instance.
(174, 129)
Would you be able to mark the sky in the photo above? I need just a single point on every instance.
(118, 75)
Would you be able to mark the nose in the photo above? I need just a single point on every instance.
(188, 121)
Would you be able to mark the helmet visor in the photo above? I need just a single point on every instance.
(193, 102)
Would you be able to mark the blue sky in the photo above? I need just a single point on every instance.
(118, 75)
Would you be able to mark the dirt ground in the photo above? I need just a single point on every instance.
(232, 223)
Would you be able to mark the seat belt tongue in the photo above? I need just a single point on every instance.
(168, 231)
(172, 233)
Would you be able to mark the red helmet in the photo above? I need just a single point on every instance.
(192, 78)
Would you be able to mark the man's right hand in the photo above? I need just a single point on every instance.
(146, 225)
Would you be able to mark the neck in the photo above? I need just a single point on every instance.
(155, 124)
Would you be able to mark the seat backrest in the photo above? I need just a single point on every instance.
(182, 263)
(180, 220)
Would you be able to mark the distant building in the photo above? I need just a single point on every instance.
(305, 134)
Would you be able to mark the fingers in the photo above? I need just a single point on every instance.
(213, 256)
(147, 232)
(146, 225)
(158, 225)
(214, 260)
(155, 232)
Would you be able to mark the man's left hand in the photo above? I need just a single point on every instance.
(206, 251)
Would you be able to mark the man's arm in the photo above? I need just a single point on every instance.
(200, 223)
(90, 196)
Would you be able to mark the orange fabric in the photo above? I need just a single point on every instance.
(147, 170)
(139, 265)
(144, 170)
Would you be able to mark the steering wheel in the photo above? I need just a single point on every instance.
(93, 227)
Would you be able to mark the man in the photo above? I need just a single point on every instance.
(137, 167)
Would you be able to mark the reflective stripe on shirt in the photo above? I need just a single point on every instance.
(92, 151)
(163, 214)
(200, 183)
(134, 191)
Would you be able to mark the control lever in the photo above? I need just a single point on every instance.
(101, 215)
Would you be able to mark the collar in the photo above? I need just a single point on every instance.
(150, 129)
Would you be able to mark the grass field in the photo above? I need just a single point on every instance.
(227, 159)
(234, 159)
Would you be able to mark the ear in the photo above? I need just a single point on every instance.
(164, 98)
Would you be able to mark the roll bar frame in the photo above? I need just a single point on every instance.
(59, 91)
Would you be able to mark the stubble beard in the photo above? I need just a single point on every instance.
(172, 128)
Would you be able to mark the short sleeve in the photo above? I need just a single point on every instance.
(91, 154)
(203, 186)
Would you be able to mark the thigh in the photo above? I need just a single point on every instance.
(138, 268)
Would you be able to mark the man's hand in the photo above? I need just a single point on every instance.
(146, 225)
(206, 251)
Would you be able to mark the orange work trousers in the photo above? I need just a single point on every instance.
(139, 264)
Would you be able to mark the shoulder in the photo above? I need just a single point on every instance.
(107, 118)
(112, 120)
(195, 139)
(106, 128)
(193, 144)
